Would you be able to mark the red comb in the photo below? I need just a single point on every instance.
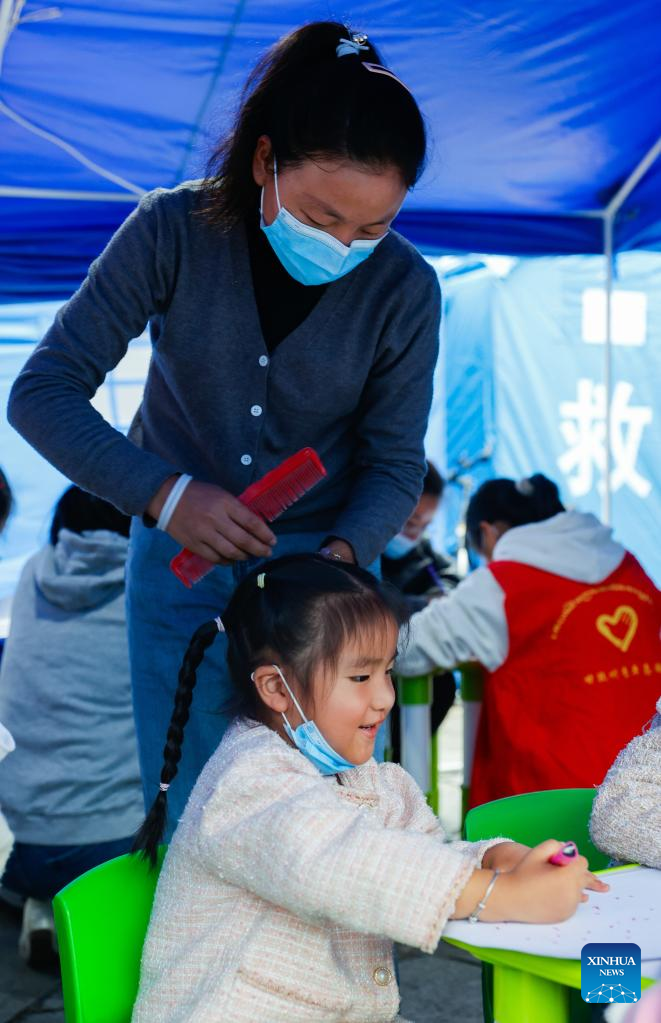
(268, 497)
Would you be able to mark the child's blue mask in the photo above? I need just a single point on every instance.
(309, 740)
(308, 254)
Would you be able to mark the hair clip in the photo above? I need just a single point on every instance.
(164, 786)
(261, 578)
(525, 487)
(379, 69)
(354, 45)
(219, 624)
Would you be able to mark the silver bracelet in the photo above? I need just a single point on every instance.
(172, 500)
(326, 552)
(475, 915)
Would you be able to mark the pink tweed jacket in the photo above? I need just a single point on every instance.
(283, 891)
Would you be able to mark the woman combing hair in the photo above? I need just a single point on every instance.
(284, 312)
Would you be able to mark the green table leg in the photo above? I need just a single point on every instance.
(415, 696)
(471, 688)
(434, 794)
(520, 997)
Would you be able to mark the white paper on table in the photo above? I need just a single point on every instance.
(652, 969)
(630, 911)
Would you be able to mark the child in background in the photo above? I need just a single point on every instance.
(299, 860)
(626, 814)
(566, 623)
(71, 791)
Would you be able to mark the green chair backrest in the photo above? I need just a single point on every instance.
(534, 816)
(101, 920)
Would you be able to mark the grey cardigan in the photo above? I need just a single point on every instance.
(626, 815)
(353, 381)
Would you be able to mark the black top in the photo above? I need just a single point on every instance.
(282, 302)
(419, 574)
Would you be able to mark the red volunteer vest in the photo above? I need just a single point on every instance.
(581, 678)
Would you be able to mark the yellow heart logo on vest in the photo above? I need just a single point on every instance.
(619, 628)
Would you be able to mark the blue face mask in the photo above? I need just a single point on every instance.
(399, 546)
(308, 254)
(309, 740)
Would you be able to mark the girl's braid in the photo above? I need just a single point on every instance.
(150, 835)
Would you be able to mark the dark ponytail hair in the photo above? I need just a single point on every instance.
(6, 500)
(312, 103)
(297, 611)
(516, 503)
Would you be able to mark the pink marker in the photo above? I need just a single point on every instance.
(566, 855)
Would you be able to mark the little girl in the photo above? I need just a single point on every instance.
(299, 860)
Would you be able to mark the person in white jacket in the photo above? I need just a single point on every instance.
(299, 859)
(565, 622)
(7, 744)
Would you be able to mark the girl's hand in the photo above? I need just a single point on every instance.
(504, 856)
(212, 522)
(539, 892)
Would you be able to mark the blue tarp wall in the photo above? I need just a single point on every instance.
(522, 376)
(538, 113)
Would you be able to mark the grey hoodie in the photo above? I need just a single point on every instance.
(65, 696)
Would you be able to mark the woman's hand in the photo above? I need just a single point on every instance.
(539, 892)
(212, 522)
(504, 856)
(340, 550)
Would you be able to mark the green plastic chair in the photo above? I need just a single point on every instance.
(534, 816)
(101, 920)
(531, 818)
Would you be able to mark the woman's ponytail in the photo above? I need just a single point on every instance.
(312, 94)
(545, 497)
(150, 834)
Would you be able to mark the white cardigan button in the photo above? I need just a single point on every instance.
(382, 976)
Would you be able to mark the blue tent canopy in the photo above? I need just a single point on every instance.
(539, 114)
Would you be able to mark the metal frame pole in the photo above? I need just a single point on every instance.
(608, 366)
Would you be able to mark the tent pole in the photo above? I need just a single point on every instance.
(64, 193)
(627, 187)
(608, 366)
(7, 22)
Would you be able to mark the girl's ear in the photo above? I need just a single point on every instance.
(490, 534)
(271, 690)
